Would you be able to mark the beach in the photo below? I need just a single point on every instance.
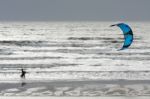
(76, 88)
(75, 97)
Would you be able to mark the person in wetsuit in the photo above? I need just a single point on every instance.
(23, 73)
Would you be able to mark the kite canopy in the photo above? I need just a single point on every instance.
(128, 34)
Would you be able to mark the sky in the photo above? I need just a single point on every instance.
(74, 10)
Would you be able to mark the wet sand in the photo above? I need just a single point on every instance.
(74, 97)
(76, 88)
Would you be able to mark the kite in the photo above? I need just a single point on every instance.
(128, 34)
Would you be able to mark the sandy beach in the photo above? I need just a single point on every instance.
(74, 97)
(76, 88)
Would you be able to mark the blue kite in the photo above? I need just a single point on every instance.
(128, 34)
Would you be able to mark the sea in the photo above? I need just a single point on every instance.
(72, 51)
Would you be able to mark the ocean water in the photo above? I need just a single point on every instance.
(73, 51)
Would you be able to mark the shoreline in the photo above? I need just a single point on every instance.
(115, 81)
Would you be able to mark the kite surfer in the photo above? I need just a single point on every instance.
(23, 73)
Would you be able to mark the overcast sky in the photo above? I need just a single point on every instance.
(74, 10)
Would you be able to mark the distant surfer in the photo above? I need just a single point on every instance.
(23, 73)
